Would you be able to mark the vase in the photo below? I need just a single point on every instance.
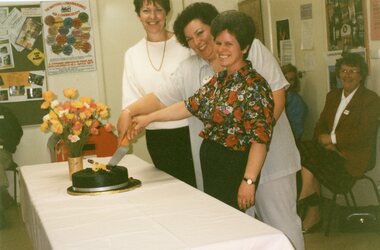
(75, 164)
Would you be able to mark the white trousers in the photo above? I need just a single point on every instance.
(276, 205)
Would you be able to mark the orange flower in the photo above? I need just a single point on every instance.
(231, 140)
(262, 135)
(70, 93)
(217, 117)
(194, 105)
(247, 125)
(238, 114)
(232, 97)
(49, 96)
(94, 131)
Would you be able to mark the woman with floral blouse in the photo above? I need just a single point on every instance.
(236, 108)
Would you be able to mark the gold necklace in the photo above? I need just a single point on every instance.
(162, 58)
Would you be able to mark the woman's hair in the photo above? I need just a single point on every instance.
(163, 3)
(236, 23)
(205, 12)
(353, 60)
(291, 68)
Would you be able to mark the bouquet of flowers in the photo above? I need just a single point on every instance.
(73, 120)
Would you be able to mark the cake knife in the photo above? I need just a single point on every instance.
(121, 151)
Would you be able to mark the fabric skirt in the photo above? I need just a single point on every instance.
(327, 166)
(170, 150)
(223, 171)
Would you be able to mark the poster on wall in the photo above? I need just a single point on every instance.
(346, 24)
(283, 34)
(22, 68)
(68, 37)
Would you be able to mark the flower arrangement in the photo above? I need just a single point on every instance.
(73, 120)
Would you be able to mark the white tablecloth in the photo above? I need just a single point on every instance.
(164, 213)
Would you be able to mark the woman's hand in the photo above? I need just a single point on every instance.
(246, 195)
(123, 124)
(324, 139)
(138, 125)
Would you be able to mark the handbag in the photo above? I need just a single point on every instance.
(360, 219)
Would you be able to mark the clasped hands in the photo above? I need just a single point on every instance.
(325, 141)
(130, 127)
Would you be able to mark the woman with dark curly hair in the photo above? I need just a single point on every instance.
(344, 138)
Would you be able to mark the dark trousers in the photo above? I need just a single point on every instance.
(223, 170)
(170, 150)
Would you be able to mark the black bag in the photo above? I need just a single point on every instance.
(360, 219)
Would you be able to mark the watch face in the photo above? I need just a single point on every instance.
(249, 181)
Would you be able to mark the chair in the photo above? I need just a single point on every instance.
(349, 190)
(101, 145)
(13, 168)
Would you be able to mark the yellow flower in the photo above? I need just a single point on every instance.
(56, 127)
(49, 96)
(85, 99)
(53, 115)
(70, 116)
(45, 105)
(77, 131)
(44, 126)
(77, 104)
(103, 114)
(88, 123)
(70, 93)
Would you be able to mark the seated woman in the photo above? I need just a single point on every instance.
(343, 138)
(295, 106)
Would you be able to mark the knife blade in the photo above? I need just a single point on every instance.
(121, 151)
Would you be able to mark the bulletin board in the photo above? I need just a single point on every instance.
(22, 62)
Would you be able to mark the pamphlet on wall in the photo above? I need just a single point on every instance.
(68, 37)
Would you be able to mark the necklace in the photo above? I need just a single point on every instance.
(162, 58)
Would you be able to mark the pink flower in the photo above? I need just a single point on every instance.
(108, 127)
(73, 138)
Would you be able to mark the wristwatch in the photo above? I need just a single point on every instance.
(249, 181)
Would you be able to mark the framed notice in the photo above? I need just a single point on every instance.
(346, 25)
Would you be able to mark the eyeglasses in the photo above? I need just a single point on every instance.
(350, 71)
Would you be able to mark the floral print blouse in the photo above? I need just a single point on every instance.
(235, 109)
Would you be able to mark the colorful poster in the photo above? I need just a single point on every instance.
(68, 37)
(22, 58)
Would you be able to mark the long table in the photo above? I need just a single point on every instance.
(164, 213)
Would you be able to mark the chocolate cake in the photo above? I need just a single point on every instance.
(99, 180)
